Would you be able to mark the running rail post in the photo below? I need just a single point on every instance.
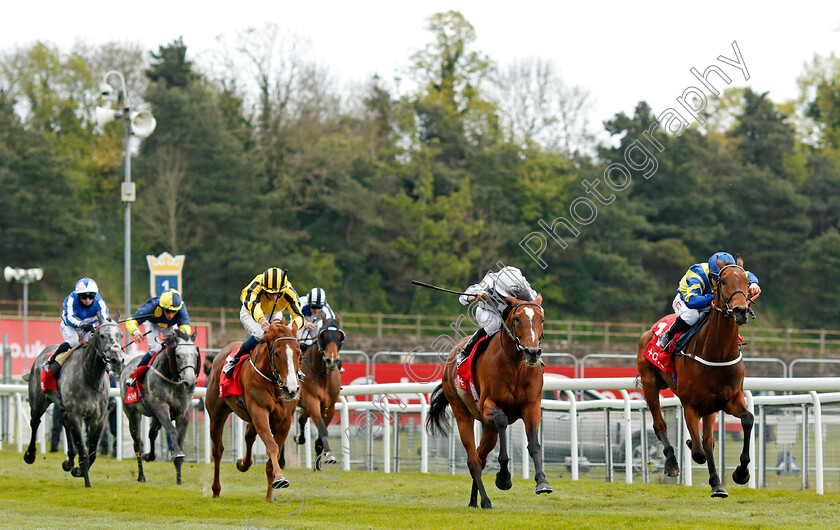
(119, 412)
(628, 440)
(751, 467)
(206, 433)
(526, 469)
(688, 479)
(818, 442)
(573, 434)
(424, 436)
(386, 437)
(307, 443)
(345, 434)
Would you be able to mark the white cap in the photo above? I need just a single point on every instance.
(86, 285)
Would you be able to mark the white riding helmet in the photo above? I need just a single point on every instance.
(86, 285)
(510, 281)
(317, 297)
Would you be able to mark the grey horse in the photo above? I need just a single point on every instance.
(167, 392)
(83, 386)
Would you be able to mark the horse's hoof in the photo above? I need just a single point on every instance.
(741, 478)
(672, 470)
(280, 482)
(241, 466)
(141, 478)
(66, 465)
(179, 455)
(149, 457)
(28, 457)
(300, 439)
(544, 487)
(329, 458)
(76, 472)
(700, 458)
(178, 482)
(503, 483)
(472, 505)
(486, 504)
(719, 493)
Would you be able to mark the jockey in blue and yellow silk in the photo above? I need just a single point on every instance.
(79, 311)
(263, 301)
(159, 316)
(697, 291)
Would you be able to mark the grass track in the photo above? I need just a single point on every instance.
(43, 496)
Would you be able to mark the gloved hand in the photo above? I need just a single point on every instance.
(138, 336)
(87, 326)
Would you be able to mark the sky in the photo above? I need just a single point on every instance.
(622, 52)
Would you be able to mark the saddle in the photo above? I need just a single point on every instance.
(232, 386)
(139, 373)
(48, 382)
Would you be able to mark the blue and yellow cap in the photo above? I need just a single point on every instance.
(171, 300)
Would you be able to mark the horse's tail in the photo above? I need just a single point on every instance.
(436, 421)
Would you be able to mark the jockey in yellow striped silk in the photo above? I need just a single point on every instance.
(263, 301)
(697, 291)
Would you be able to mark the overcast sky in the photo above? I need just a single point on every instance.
(622, 52)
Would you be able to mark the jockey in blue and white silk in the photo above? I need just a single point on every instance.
(313, 305)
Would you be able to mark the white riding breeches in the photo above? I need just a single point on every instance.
(689, 316)
(71, 335)
(252, 326)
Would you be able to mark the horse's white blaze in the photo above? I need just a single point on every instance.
(530, 314)
(291, 374)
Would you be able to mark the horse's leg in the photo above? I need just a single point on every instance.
(303, 416)
(244, 463)
(181, 424)
(465, 428)
(164, 419)
(650, 387)
(531, 418)
(709, 447)
(134, 418)
(94, 435)
(69, 462)
(75, 427)
(37, 407)
(494, 415)
(281, 430)
(738, 408)
(154, 428)
(272, 449)
(217, 429)
(695, 443)
(326, 457)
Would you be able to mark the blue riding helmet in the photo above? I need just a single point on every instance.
(724, 257)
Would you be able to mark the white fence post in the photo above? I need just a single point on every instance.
(818, 442)
(628, 440)
(751, 467)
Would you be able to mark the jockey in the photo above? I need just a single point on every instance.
(263, 302)
(163, 314)
(78, 313)
(315, 309)
(697, 291)
(492, 292)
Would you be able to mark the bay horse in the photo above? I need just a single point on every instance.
(167, 392)
(83, 385)
(709, 378)
(270, 392)
(320, 387)
(509, 380)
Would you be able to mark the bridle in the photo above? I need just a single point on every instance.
(172, 357)
(516, 342)
(272, 362)
(726, 311)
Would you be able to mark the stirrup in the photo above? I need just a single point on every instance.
(130, 381)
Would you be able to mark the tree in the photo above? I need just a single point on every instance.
(763, 137)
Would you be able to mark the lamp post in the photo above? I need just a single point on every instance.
(141, 124)
(24, 276)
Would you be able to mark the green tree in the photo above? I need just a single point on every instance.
(763, 137)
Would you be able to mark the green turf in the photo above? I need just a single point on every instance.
(43, 496)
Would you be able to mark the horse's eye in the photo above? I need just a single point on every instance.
(516, 320)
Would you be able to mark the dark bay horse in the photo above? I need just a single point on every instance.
(83, 385)
(710, 377)
(270, 387)
(509, 379)
(320, 387)
(167, 391)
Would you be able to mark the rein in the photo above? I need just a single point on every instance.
(516, 343)
(271, 361)
(727, 311)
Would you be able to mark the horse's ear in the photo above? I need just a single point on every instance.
(194, 335)
(539, 299)
(720, 264)
(339, 319)
(117, 317)
(99, 317)
(294, 326)
(511, 300)
(739, 260)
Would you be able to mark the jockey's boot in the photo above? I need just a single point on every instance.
(51, 364)
(245, 349)
(678, 326)
(464, 352)
(143, 362)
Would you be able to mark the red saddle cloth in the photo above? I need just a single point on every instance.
(232, 386)
(48, 382)
(133, 393)
(464, 373)
(664, 360)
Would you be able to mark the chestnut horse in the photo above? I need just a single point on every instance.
(270, 387)
(509, 380)
(709, 378)
(320, 387)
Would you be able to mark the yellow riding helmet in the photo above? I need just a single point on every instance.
(274, 279)
(171, 300)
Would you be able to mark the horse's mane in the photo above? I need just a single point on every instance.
(521, 294)
(277, 329)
